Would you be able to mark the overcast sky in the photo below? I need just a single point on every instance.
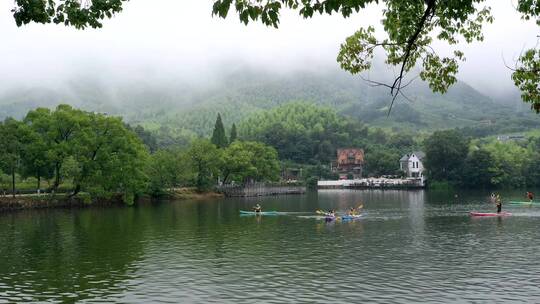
(172, 39)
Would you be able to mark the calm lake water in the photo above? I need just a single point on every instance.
(412, 246)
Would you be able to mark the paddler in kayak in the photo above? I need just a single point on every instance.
(354, 211)
(257, 209)
(530, 196)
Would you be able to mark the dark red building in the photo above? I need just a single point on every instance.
(350, 162)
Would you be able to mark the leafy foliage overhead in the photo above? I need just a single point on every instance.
(411, 27)
(77, 13)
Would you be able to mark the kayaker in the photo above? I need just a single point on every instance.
(257, 208)
(530, 196)
(499, 204)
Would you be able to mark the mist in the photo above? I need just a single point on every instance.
(168, 43)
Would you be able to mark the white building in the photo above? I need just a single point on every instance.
(412, 165)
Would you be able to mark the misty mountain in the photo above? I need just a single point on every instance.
(191, 109)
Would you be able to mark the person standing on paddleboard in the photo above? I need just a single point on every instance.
(530, 196)
(493, 198)
(499, 203)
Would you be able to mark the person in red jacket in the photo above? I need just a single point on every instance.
(530, 196)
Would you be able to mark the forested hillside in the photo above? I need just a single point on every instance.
(179, 111)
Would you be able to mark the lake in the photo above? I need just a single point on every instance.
(410, 247)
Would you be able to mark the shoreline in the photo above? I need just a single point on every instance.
(58, 201)
(9, 203)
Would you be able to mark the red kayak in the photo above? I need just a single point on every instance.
(474, 213)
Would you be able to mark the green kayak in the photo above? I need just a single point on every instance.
(524, 203)
(242, 212)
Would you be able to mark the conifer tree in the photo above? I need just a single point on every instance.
(234, 134)
(218, 136)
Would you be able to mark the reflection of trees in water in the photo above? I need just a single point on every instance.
(214, 238)
(69, 255)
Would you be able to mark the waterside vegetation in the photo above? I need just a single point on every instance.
(80, 153)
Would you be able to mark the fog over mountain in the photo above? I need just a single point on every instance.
(168, 50)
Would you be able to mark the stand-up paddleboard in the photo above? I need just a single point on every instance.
(474, 213)
(526, 203)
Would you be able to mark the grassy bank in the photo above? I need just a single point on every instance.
(59, 200)
(9, 203)
(191, 194)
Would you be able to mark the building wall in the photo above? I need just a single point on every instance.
(350, 161)
(415, 168)
(344, 159)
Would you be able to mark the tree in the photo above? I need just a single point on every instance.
(218, 136)
(234, 134)
(302, 132)
(245, 161)
(58, 128)
(13, 136)
(382, 162)
(35, 161)
(478, 170)
(446, 152)
(111, 158)
(97, 153)
(532, 173)
(168, 169)
(412, 29)
(510, 161)
(205, 159)
(146, 136)
(77, 13)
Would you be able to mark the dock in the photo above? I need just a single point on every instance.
(259, 189)
(373, 183)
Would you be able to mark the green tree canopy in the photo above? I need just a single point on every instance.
(168, 169)
(446, 152)
(478, 170)
(510, 163)
(382, 162)
(13, 138)
(205, 159)
(77, 13)
(303, 132)
(98, 153)
(244, 161)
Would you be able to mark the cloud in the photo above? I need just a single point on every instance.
(179, 40)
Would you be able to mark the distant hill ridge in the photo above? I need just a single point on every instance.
(237, 95)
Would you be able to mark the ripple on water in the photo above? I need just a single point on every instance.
(206, 253)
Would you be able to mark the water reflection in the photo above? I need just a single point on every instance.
(412, 246)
